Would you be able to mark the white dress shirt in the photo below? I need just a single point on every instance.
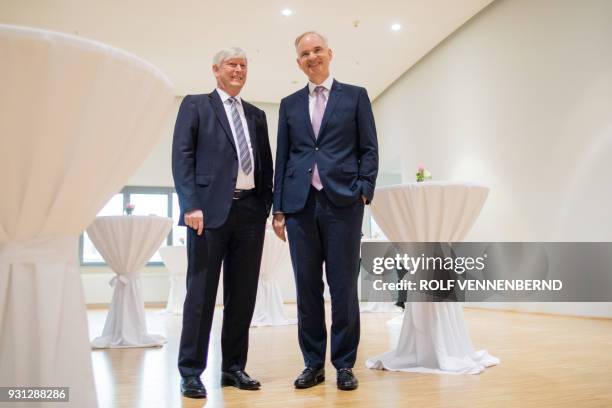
(327, 85)
(243, 181)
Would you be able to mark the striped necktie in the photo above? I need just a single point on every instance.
(243, 147)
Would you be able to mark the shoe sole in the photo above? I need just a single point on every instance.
(343, 388)
(196, 395)
(228, 382)
(317, 380)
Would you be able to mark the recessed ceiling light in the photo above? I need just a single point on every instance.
(287, 12)
(396, 27)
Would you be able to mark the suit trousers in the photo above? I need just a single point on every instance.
(324, 233)
(238, 244)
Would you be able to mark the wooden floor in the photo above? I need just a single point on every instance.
(546, 361)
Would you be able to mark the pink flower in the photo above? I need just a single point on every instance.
(420, 167)
(130, 206)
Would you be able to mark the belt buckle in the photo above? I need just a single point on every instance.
(236, 195)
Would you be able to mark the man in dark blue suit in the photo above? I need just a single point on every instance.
(326, 167)
(222, 168)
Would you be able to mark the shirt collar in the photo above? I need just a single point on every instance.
(224, 96)
(327, 84)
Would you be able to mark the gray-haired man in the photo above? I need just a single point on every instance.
(222, 168)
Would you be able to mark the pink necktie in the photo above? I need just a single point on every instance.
(316, 119)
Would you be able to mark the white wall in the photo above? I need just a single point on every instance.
(520, 98)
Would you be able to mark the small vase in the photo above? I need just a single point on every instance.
(128, 211)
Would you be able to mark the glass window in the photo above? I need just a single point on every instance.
(149, 204)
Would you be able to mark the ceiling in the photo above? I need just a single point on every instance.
(181, 37)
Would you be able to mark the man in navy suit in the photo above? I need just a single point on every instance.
(326, 167)
(222, 168)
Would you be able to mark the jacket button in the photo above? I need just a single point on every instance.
(317, 148)
(310, 170)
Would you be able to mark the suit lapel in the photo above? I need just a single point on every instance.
(248, 113)
(306, 110)
(215, 101)
(334, 96)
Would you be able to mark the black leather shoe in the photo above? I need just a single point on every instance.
(239, 379)
(310, 377)
(346, 380)
(192, 387)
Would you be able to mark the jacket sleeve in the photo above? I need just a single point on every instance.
(267, 169)
(368, 146)
(282, 152)
(184, 144)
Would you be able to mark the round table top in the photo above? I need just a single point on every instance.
(79, 137)
(127, 242)
(442, 211)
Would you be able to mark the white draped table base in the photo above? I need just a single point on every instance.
(433, 336)
(126, 306)
(175, 259)
(269, 306)
(176, 295)
(126, 243)
(77, 118)
(43, 318)
(269, 309)
(433, 339)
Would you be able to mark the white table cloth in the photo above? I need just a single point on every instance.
(77, 118)
(433, 337)
(175, 259)
(275, 262)
(127, 243)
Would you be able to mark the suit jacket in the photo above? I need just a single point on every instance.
(205, 158)
(346, 150)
